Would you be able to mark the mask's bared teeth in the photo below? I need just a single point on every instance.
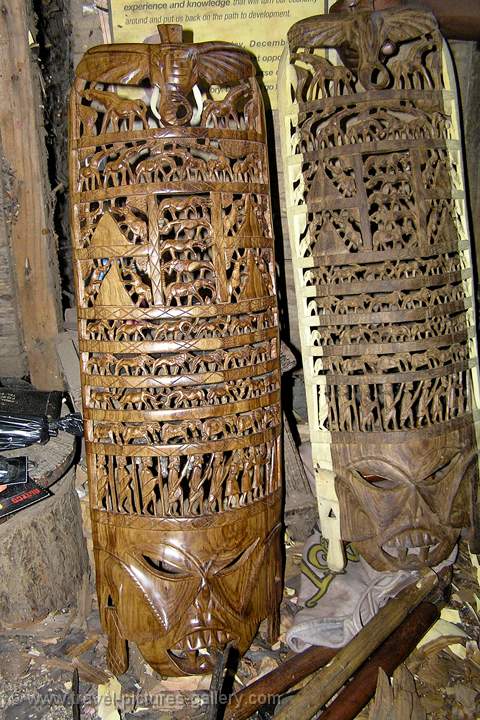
(416, 539)
(402, 553)
(178, 652)
(409, 540)
(390, 549)
(423, 554)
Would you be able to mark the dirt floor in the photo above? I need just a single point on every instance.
(37, 665)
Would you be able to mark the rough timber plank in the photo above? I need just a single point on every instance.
(32, 239)
(12, 355)
(466, 56)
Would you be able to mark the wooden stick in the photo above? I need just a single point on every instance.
(396, 648)
(244, 703)
(389, 656)
(329, 680)
(76, 705)
(216, 684)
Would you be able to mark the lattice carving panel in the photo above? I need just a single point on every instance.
(380, 245)
(179, 347)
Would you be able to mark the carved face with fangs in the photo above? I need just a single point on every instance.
(403, 506)
(183, 594)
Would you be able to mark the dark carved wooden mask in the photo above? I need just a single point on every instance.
(177, 314)
(378, 227)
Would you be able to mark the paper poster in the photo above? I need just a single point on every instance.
(260, 26)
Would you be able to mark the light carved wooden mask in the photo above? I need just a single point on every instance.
(383, 273)
(178, 327)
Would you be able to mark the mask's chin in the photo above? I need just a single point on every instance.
(195, 653)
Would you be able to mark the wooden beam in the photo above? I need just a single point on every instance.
(32, 238)
(457, 19)
(13, 362)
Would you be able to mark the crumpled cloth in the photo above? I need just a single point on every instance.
(335, 607)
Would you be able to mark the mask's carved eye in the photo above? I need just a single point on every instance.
(238, 559)
(231, 564)
(441, 472)
(165, 568)
(378, 481)
(381, 482)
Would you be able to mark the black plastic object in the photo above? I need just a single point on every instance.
(72, 424)
(19, 431)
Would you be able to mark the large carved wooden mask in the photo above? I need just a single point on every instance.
(380, 244)
(177, 314)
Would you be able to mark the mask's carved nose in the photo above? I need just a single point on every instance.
(421, 508)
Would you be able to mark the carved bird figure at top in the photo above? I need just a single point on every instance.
(172, 66)
(364, 39)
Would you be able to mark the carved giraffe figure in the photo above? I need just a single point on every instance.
(137, 226)
(118, 109)
(87, 120)
(90, 171)
(222, 113)
(118, 171)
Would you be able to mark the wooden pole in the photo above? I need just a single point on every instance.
(246, 702)
(32, 239)
(326, 682)
(356, 694)
(13, 361)
(457, 19)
